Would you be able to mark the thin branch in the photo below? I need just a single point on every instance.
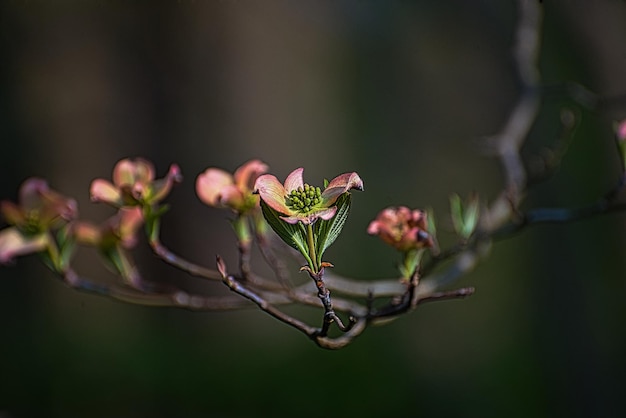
(174, 299)
(169, 257)
(315, 334)
(448, 294)
(509, 141)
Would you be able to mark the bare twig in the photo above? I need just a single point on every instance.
(179, 262)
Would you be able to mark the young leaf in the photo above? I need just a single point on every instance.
(326, 232)
(456, 213)
(470, 218)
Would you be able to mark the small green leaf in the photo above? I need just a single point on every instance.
(114, 259)
(470, 218)
(326, 232)
(66, 253)
(292, 235)
(412, 259)
(456, 213)
(464, 214)
(152, 218)
(431, 225)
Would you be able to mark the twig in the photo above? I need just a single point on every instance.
(175, 299)
(176, 261)
(315, 334)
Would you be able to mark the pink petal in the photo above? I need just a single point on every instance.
(232, 197)
(273, 193)
(13, 243)
(339, 185)
(144, 170)
(246, 175)
(374, 227)
(86, 233)
(127, 171)
(12, 213)
(30, 193)
(210, 184)
(161, 188)
(54, 206)
(295, 219)
(130, 220)
(309, 218)
(294, 180)
(326, 214)
(103, 191)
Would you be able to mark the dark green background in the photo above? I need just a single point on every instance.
(402, 92)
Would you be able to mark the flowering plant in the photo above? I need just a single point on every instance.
(308, 219)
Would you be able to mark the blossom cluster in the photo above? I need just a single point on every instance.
(289, 208)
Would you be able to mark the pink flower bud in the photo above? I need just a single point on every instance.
(402, 228)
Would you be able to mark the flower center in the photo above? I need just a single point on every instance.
(304, 199)
(32, 224)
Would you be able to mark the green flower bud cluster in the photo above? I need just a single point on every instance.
(32, 225)
(303, 199)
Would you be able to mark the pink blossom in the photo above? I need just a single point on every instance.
(40, 209)
(120, 229)
(134, 184)
(402, 228)
(219, 188)
(300, 202)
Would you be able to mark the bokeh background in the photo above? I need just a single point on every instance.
(404, 93)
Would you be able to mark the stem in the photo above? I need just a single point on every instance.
(153, 229)
(244, 239)
(410, 262)
(311, 242)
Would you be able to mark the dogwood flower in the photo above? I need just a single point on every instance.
(402, 228)
(218, 188)
(300, 202)
(120, 229)
(40, 209)
(134, 184)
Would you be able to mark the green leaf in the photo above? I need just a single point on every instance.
(412, 259)
(470, 218)
(464, 214)
(292, 235)
(456, 213)
(66, 253)
(431, 225)
(326, 232)
(114, 259)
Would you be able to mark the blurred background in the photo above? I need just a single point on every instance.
(404, 93)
